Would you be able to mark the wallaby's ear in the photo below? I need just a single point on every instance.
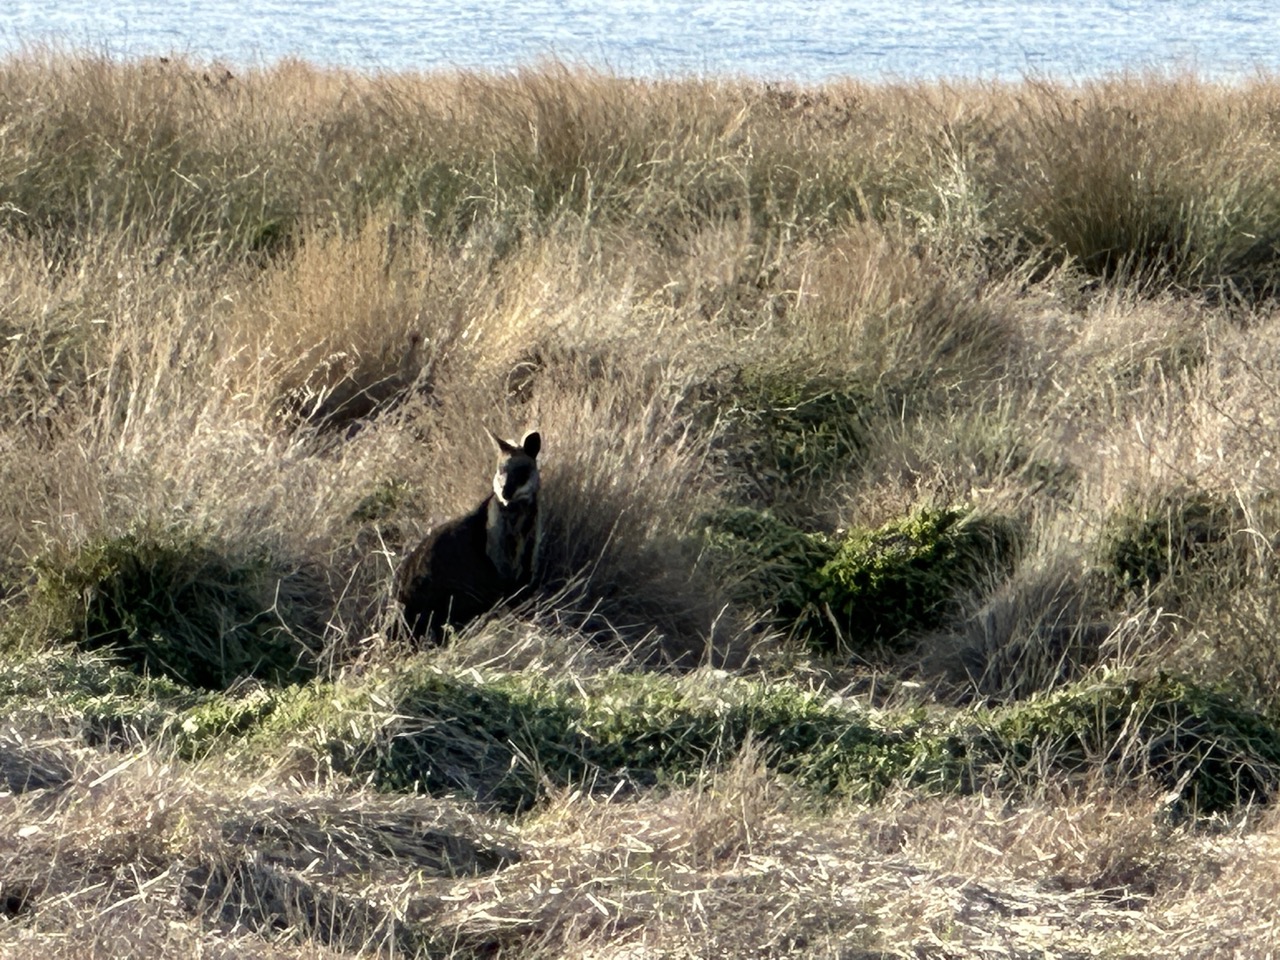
(508, 448)
(529, 446)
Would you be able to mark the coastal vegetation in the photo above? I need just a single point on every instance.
(910, 514)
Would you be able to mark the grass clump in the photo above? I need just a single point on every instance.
(176, 604)
(786, 433)
(1161, 545)
(1154, 179)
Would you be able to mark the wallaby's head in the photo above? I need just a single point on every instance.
(516, 478)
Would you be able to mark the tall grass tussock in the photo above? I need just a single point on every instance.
(908, 476)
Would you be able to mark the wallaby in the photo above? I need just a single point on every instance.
(466, 566)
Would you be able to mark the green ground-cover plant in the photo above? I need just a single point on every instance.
(1213, 752)
(59, 680)
(506, 740)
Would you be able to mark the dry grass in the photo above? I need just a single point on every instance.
(272, 313)
(145, 858)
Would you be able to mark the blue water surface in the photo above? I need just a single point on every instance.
(785, 40)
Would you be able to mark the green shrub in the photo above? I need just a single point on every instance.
(903, 577)
(176, 604)
(769, 564)
(382, 501)
(869, 590)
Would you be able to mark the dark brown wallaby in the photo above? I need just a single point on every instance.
(466, 566)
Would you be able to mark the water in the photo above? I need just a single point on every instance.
(793, 40)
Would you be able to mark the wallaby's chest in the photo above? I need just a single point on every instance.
(511, 539)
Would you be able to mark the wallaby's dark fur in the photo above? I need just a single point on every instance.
(466, 566)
